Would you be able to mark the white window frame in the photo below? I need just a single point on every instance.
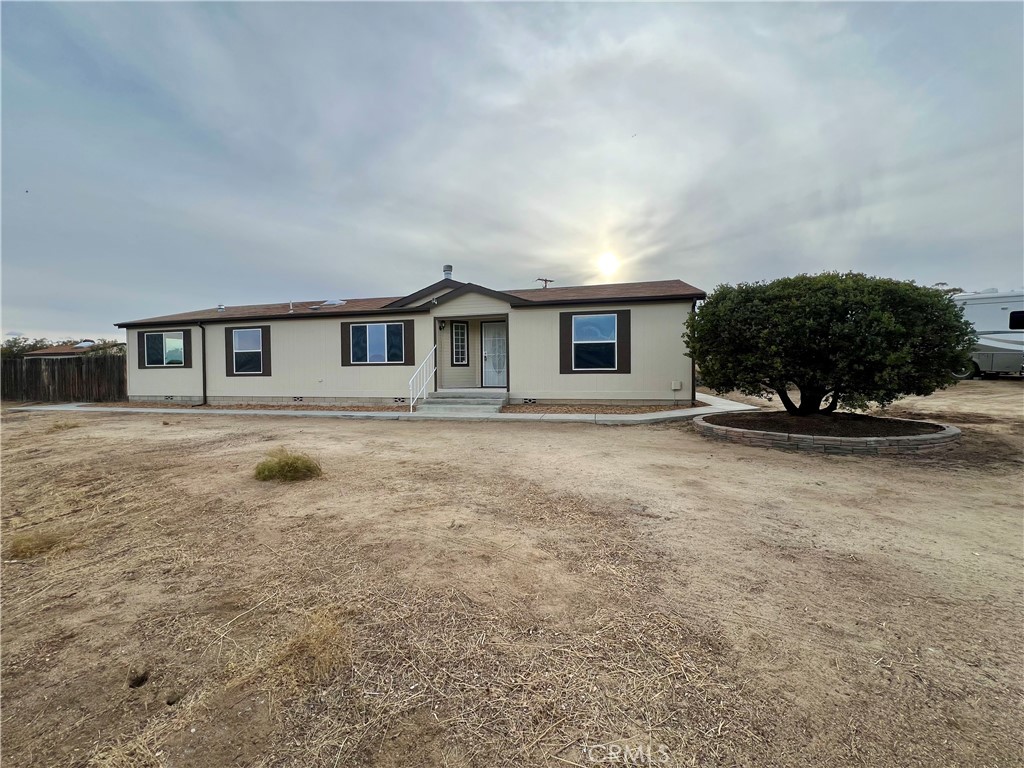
(163, 342)
(235, 350)
(367, 361)
(615, 341)
(465, 343)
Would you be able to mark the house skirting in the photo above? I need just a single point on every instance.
(196, 400)
(297, 400)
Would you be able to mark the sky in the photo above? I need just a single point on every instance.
(160, 158)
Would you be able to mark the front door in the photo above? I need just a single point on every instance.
(494, 341)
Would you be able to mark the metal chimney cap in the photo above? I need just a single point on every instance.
(447, 269)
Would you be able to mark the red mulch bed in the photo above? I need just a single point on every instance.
(823, 424)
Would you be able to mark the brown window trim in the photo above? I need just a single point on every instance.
(186, 336)
(229, 349)
(622, 339)
(408, 343)
(465, 325)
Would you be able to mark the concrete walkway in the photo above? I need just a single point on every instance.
(714, 405)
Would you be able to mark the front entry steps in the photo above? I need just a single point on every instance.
(464, 401)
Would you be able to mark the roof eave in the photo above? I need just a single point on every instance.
(163, 323)
(605, 300)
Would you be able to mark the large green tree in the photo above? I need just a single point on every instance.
(840, 339)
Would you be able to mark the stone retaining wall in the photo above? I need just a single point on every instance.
(847, 446)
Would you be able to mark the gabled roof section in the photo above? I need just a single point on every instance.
(514, 301)
(422, 293)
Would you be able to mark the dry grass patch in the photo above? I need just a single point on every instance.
(24, 546)
(319, 654)
(64, 426)
(287, 467)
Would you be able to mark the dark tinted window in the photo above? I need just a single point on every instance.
(1017, 321)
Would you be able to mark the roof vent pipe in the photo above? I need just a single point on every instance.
(447, 271)
(220, 307)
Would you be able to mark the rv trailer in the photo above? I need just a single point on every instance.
(998, 319)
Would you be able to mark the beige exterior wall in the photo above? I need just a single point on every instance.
(658, 356)
(163, 383)
(306, 362)
(458, 376)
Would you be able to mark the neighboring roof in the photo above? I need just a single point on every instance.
(61, 349)
(68, 350)
(658, 290)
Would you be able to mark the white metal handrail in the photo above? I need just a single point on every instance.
(421, 379)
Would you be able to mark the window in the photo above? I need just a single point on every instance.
(391, 343)
(248, 351)
(460, 343)
(1017, 321)
(378, 343)
(165, 349)
(247, 344)
(594, 342)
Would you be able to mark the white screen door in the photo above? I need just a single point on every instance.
(495, 354)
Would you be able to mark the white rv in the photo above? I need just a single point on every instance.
(998, 319)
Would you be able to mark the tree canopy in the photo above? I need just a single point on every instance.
(840, 339)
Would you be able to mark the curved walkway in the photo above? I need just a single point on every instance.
(713, 405)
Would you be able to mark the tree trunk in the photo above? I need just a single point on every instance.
(832, 404)
(790, 406)
(810, 400)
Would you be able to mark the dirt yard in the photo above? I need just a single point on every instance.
(469, 594)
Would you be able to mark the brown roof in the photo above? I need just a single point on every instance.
(655, 289)
(70, 349)
(60, 349)
(260, 311)
(577, 294)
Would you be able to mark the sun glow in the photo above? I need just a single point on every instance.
(608, 263)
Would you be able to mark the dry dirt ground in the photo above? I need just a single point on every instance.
(468, 594)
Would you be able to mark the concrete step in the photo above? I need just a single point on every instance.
(464, 401)
(472, 394)
(428, 407)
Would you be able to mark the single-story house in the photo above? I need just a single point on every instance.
(598, 343)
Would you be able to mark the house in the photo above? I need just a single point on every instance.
(86, 346)
(598, 343)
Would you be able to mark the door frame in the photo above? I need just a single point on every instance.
(493, 386)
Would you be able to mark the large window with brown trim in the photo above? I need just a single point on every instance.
(388, 343)
(594, 342)
(165, 349)
(460, 343)
(594, 346)
(378, 343)
(248, 350)
(171, 348)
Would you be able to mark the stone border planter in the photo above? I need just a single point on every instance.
(844, 446)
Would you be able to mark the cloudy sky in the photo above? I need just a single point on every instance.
(166, 157)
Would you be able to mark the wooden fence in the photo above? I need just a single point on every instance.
(87, 379)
